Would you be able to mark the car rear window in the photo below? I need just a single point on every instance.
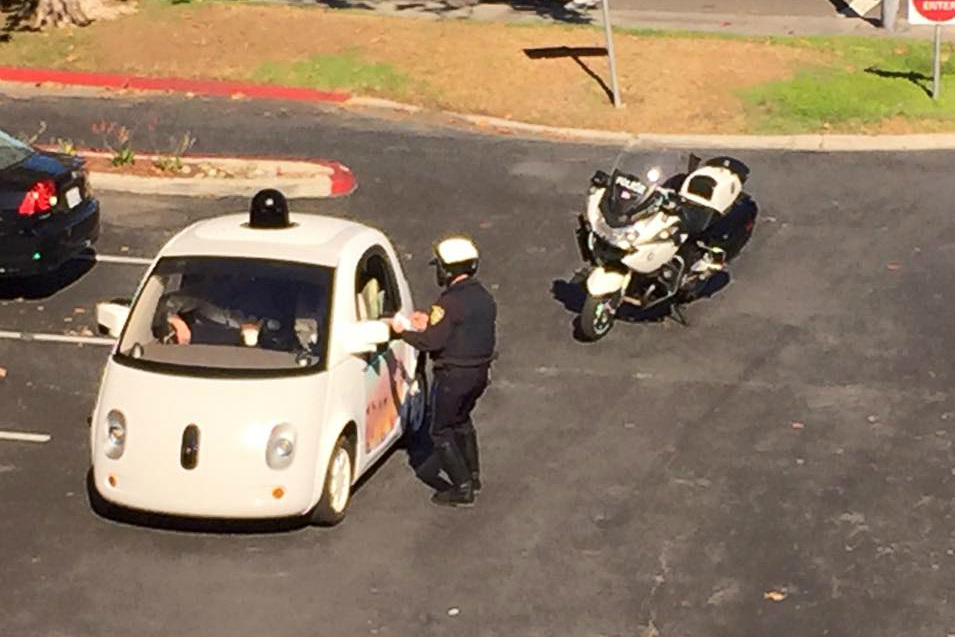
(12, 151)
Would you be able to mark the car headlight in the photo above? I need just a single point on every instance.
(284, 447)
(115, 434)
(280, 450)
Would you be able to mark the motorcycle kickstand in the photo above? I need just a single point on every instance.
(678, 315)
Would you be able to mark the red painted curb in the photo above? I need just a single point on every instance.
(168, 84)
(343, 179)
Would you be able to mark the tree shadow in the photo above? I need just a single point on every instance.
(846, 11)
(42, 286)
(549, 9)
(574, 53)
(920, 80)
(15, 14)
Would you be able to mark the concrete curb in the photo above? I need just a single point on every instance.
(813, 142)
(295, 178)
(168, 84)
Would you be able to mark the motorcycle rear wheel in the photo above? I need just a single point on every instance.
(597, 316)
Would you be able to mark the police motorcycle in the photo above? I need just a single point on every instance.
(651, 243)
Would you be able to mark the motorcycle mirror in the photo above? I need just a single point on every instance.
(600, 179)
(693, 162)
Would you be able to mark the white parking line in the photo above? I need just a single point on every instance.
(56, 338)
(21, 436)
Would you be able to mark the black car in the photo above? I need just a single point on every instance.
(47, 212)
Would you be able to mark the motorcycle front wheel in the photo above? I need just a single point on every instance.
(597, 316)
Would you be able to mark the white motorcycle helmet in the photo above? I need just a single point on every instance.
(453, 257)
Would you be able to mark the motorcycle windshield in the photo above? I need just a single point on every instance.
(654, 167)
(633, 189)
(627, 199)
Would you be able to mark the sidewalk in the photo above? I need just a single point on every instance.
(821, 18)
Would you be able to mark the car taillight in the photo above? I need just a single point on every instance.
(40, 198)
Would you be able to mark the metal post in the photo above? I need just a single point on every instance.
(937, 81)
(613, 61)
(890, 11)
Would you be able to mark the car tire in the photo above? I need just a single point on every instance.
(336, 489)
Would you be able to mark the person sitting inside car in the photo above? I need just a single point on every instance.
(222, 311)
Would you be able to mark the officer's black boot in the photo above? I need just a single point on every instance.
(462, 493)
(428, 472)
(467, 442)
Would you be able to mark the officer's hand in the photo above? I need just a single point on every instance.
(419, 320)
(396, 326)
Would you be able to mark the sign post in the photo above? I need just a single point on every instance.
(936, 13)
(613, 62)
(890, 11)
(937, 70)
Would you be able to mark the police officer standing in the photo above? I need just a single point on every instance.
(459, 334)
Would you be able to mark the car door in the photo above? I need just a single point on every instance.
(386, 374)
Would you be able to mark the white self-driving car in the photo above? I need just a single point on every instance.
(252, 376)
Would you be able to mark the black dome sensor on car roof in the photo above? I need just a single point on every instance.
(269, 209)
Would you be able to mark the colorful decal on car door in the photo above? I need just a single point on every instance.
(385, 386)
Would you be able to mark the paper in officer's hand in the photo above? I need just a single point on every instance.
(404, 323)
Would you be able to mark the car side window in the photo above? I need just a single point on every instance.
(376, 289)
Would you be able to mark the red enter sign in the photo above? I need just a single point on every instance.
(935, 10)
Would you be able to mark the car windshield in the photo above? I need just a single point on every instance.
(222, 314)
(12, 151)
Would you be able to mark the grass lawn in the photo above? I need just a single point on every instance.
(875, 85)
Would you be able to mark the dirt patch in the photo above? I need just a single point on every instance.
(667, 84)
(904, 126)
(206, 168)
(147, 168)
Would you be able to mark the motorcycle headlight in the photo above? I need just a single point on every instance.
(115, 434)
(280, 450)
(666, 234)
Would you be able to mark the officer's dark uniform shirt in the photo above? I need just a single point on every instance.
(460, 331)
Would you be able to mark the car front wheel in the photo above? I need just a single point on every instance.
(336, 493)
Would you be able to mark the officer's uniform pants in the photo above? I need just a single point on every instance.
(456, 392)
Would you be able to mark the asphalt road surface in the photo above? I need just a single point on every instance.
(650, 484)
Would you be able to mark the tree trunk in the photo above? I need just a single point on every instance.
(59, 13)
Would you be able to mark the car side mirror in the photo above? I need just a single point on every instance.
(364, 337)
(111, 316)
